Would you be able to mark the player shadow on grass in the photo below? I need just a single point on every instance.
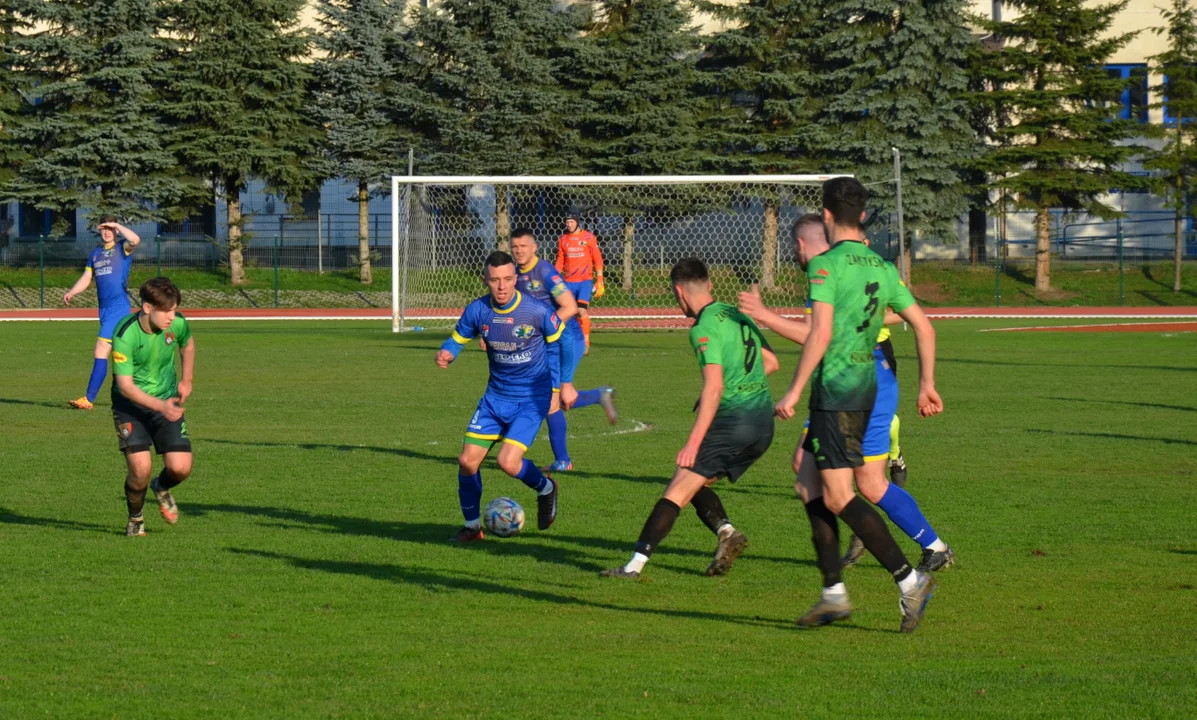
(435, 580)
(8, 517)
(531, 545)
(41, 403)
(660, 480)
(1113, 436)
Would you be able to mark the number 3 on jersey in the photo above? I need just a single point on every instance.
(870, 307)
(750, 350)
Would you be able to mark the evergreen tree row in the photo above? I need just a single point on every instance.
(152, 109)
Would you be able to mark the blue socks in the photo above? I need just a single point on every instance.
(531, 476)
(98, 370)
(557, 430)
(469, 491)
(588, 397)
(905, 513)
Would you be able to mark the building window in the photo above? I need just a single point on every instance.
(1182, 87)
(1132, 102)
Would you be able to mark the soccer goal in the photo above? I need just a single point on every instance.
(443, 227)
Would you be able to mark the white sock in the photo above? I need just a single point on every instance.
(835, 592)
(725, 531)
(636, 564)
(474, 524)
(548, 487)
(908, 583)
(938, 545)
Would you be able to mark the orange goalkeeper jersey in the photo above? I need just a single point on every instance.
(578, 256)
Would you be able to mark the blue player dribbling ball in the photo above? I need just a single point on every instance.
(503, 516)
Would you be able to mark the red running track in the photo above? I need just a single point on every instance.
(610, 317)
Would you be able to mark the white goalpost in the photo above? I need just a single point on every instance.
(442, 228)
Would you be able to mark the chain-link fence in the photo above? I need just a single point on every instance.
(641, 227)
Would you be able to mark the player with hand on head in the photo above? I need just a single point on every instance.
(734, 426)
(522, 348)
(109, 264)
(581, 262)
(148, 391)
(881, 438)
(851, 287)
(538, 279)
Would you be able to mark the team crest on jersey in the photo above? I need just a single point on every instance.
(524, 331)
(109, 253)
(170, 337)
(534, 285)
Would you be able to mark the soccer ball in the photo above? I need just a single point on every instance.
(503, 516)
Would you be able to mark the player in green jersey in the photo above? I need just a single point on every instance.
(851, 288)
(148, 391)
(734, 426)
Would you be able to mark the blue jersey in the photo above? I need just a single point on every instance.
(542, 282)
(111, 270)
(521, 345)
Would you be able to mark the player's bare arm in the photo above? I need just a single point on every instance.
(80, 285)
(132, 239)
(750, 304)
(708, 405)
(822, 316)
(567, 305)
(169, 408)
(929, 403)
(772, 364)
(187, 371)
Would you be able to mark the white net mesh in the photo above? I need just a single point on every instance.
(740, 227)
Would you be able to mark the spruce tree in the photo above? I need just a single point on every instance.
(480, 89)
(1177, 159)
(94, 138)
(13, 80)
(634, 111)
(352, 81)
(236, 94)
(897, 78)
(1065, 143)
(761, 81)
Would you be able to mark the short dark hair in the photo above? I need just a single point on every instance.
(107, 219)
(807, 219)
(688, 270)
(160, 292)
(846, 198)
(523, 232)
(498, 258)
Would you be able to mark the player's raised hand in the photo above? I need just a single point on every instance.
(751, 303)
(687, 456)
(784, 409)
(172, 410)
(443, 358)
(929, 402)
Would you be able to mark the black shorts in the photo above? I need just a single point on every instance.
(836, 437)
(733, 443)
(138, 428)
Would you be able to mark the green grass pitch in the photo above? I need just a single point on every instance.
(309, 574)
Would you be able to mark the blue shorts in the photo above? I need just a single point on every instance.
(511, 421)
(573, 333)
(109, 317)
(876, 439)
(582, 290)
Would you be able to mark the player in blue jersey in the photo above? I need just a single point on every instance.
(109, 264)
(539, 279)
(523, 348)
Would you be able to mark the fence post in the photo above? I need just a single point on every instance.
(1121, 278)
(41, 271)
(997, 275)
(158, 253)
(319, 244)
(276, 242)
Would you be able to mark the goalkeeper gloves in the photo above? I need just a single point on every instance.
(599, 287)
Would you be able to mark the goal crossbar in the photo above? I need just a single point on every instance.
(398, 180)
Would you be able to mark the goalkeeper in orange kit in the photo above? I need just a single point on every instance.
(580, 263)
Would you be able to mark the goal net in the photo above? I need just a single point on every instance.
(443, 228)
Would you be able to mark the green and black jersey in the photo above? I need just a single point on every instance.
(724, 336)
(149, 357)
(860, 285)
